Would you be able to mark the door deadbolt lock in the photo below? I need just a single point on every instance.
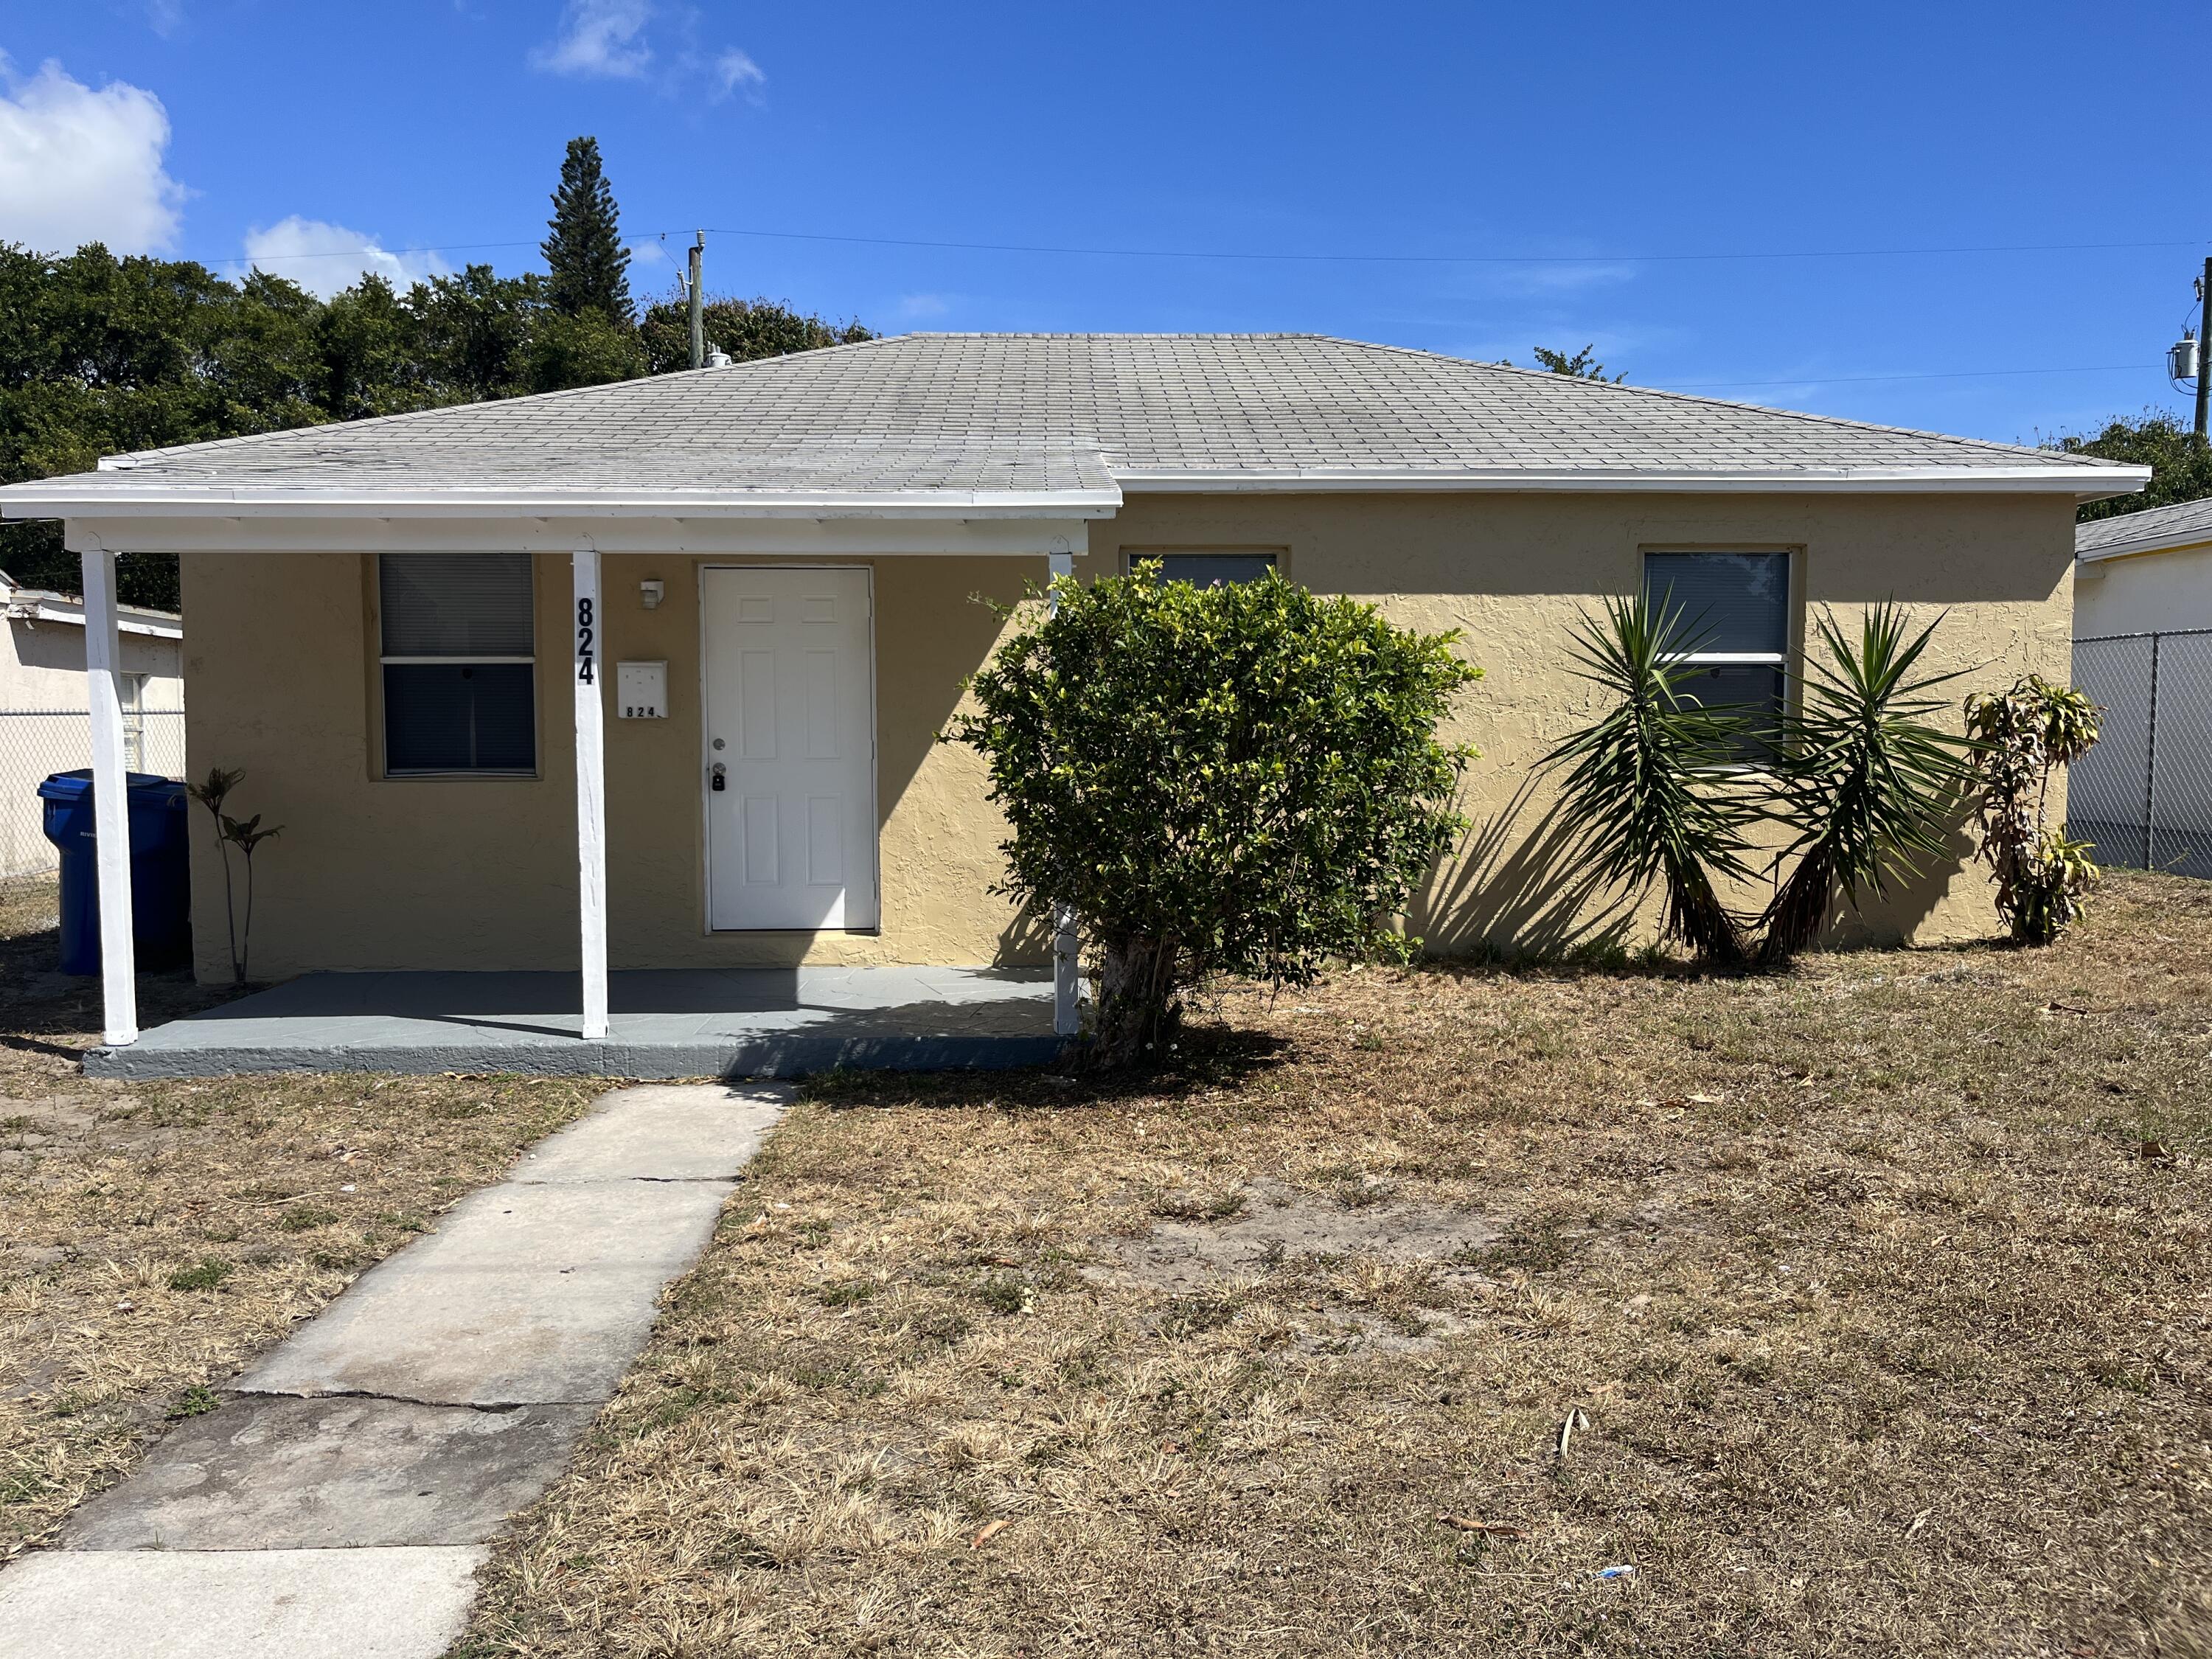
(720, 778)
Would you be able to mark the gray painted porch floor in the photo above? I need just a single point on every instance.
(673, 1023)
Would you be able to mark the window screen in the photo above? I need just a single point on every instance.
(457, 651)
(1211, 569)
(1729, 602)
(1735, 609)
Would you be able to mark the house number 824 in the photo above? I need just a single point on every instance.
(584, 642)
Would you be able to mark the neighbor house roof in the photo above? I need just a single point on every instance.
(39, 604)
(1064, 423)
(2150, 529)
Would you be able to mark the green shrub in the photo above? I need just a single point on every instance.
(1241, 780)
(2025, 735)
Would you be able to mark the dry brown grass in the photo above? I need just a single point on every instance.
(1889, 1335)
(157, 1234)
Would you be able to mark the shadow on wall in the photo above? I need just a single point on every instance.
(1520, 887)
(1025, 941)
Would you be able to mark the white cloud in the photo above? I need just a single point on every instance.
(734, 72)
(165, 17)
(600, 38)
(648, 250)
(324, 257)
(78, 166)
(923, 305)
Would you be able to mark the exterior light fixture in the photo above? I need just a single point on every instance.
(649, 593)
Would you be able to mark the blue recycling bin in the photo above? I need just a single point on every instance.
(161, 877)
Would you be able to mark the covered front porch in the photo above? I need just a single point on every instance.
(663, 1024)
(642, 1020)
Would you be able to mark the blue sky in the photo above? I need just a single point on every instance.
(1601, 142)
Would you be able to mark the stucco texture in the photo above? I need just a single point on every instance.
(465, 873)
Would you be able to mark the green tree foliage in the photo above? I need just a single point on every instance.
(2180, 462)
(1582, 365)
(583, 248)
(1240, 780)
(747, 329)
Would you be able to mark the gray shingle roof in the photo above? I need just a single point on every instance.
(2183, 525)
(1078, 416)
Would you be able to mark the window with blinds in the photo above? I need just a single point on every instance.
(459, 662)
(1735, 609)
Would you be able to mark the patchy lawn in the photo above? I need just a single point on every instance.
(1868, 1309)
(158, 1235)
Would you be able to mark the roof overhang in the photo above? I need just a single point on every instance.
(2135, 546)
(781, 536)
(2084, 483)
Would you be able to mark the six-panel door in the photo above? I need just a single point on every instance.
(790, 701)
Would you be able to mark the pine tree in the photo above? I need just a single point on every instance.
(590, 264)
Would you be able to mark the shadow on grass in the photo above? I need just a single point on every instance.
(1204, 1058)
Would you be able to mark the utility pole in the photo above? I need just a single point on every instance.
(699, 320)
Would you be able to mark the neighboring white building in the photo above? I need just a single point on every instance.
(2144, 572)
(43, 720)
(2142, 648)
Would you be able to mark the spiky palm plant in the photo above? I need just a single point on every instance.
(1868, 785)
(1648, 792)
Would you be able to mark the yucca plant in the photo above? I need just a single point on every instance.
(1650, 792)
(1867, 784)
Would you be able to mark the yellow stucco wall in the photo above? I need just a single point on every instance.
(480, 873)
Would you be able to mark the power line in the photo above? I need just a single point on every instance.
(1947, 374)
(1447, 258)
(1271, 255)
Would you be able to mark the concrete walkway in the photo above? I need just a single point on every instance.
(338, 1503)
(755, 1022)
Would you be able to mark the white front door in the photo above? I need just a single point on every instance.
(791, 748)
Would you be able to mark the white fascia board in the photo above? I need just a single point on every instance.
(795, 537)
(93, 496)
(2080, 483)
(2190, 541)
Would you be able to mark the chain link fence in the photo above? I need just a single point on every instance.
(2144, 794)
(35, 743)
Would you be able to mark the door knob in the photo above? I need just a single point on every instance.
(719, 779)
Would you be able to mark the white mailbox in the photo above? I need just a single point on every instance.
(641, 690)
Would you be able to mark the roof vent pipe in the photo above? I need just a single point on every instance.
(717, 358)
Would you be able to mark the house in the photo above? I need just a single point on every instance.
(43, 726)
(2142, 648)
(651, 673)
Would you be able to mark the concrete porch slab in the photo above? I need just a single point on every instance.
(278, 1474)
(665, 1024)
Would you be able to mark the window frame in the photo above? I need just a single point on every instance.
(384, 660)
(1782, 661)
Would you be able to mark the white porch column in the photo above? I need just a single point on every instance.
(111, 801)
(591, 794)
(1066, 954)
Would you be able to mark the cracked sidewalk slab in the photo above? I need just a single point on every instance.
(272, 1473)
(238, 1604)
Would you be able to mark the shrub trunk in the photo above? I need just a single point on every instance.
(1139, 1006)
